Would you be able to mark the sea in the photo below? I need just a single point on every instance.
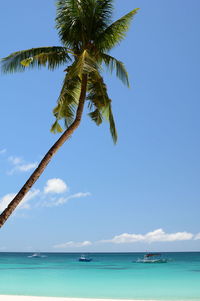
(108, 275)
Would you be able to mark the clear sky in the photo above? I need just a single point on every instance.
(143, 193)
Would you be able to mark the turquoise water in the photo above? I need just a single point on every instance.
(109, 275)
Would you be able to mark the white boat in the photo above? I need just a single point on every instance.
(152, 258)
(83, 258)
(36, 255)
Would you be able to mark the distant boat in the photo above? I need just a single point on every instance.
(83, 258)
(152, 258)
(36, 255)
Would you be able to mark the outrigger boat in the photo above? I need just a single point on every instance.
(152, 258)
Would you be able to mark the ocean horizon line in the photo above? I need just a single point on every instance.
(99, 252)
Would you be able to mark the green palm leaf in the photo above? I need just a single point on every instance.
(115, 33)
(97, 91)
(56, 128)
(67, 102)
(69, 22)
(83, 64)
(79, 22)
(96, 116)
(113, 130)
(99, 100)
(36, 57)
(112, 63)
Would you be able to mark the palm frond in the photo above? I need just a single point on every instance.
(56, 128)
(67, 102)
(103, 11)
(96, 116)
(113, 130)
(83, 64)
(98, 15)
(115, 33)
(100, 103)
(69, 23)
(112, 63)
(97, 91)
(36, 57)
(79, 22)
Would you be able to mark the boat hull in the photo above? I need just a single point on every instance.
(152, 260)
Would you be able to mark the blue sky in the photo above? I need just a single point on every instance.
(143, 193)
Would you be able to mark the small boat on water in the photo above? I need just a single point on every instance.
(36, 255)
(84, 258)
(152, 258)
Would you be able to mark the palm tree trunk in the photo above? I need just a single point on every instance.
(44, 162)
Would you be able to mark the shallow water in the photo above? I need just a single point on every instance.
(109, 275)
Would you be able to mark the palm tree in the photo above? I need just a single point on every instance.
(87, 35)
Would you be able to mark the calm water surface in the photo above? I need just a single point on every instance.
(109, 275)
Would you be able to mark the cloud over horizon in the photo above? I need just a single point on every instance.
(197, 236)
(71, 244)
(158, 235)
(155, 236)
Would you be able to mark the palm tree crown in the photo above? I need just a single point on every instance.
(87, 35)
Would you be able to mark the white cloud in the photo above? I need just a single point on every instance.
(70, 244)
(55, 186)
(63, 200)
(15, 160)
(155, 236)
(20, 165)
(27, 167)
(3, 151)
(79, 195)
(197, 236)
(5, 200)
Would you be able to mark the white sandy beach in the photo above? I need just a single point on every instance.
(31, 298)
